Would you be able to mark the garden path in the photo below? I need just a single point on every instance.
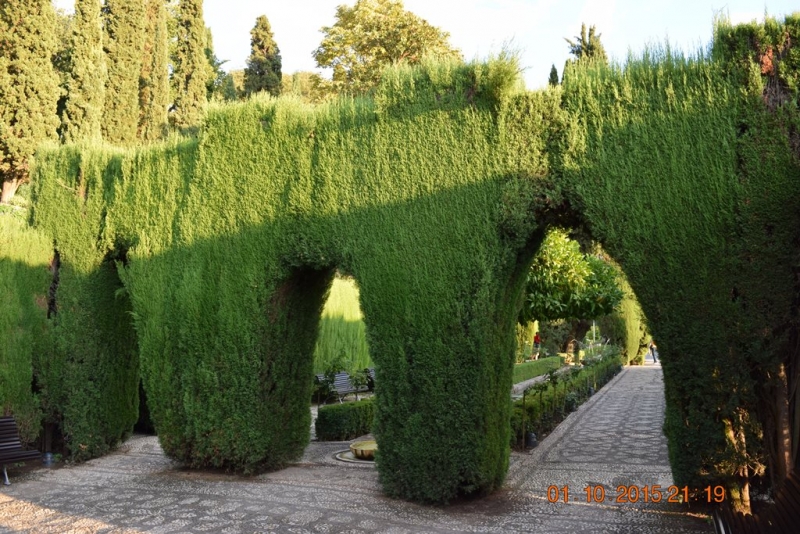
(613, 439)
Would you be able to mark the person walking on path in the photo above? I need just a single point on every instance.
(654, 351)
(537, 344)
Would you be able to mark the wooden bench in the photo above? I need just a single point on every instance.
(11, 447)
(782, 517)
(342, 386)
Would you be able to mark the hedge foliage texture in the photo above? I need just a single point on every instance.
(434, 194)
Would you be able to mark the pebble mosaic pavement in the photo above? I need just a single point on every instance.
(613, 439)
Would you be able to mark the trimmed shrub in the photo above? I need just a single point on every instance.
(342, 422)
(528, 370)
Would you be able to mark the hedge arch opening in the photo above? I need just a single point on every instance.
(342, 340)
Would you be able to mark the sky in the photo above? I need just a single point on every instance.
(479, 28)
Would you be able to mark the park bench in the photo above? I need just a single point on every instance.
(342, 386)
(782, 517)
(11, 450)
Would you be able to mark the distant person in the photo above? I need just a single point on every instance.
(653, 351)
(537, 343)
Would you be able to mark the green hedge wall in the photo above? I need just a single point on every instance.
(89, 370)
(231, 241)
(707, 235)
(341, 422)
(433, 194)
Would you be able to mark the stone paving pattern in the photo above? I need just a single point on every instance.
(613, 439)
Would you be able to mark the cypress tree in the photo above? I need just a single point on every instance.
(124, 25)
(263, 72)
(86, 85)
(553, 76)
(587, 46)
(28, 86)
(190, 65)
(154, 80)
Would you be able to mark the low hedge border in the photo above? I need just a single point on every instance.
(528, 370)
(343, 422)
(548, 403)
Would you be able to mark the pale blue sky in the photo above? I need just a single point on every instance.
(480, 27)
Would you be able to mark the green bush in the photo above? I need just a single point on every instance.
(528, 370)
(341, 422)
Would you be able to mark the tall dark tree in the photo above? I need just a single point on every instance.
(232, 87)
(263, 72)
(62, 61)
(154, 95)
(553, 76)
(190, 66)
(86, 85)
(29, 88)
(587, 46)
(124, 44)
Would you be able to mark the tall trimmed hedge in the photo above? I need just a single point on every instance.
(227, 276)
(25, 256)
(434, 194)
(89, 372)
(691, 181)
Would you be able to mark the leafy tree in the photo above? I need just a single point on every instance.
(216, 76)
(371, 35)
(307, 85)
(29, 88)
(587, 46)
(124, 28)
(190, 65)
(154, 97)
(232, 87)
(564, 283)
(553, 76)
(86, 86)
(263, 72)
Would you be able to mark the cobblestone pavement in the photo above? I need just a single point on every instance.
(614, 439)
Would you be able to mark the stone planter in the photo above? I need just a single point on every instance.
(364, 450)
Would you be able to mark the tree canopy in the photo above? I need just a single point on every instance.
(154, 79)
(587, 46)
(371, 35)
(124, 43)
(263, 72)
(191, 69)
(553, 80)
(86, 86)
(564, 283)
(28, 86)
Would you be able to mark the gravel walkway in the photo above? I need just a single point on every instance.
(613, 440)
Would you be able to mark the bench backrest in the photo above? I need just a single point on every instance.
(342, 384)
(9, 434)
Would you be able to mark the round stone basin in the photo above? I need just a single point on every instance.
(364, 450)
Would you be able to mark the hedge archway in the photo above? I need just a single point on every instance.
(435, 193)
